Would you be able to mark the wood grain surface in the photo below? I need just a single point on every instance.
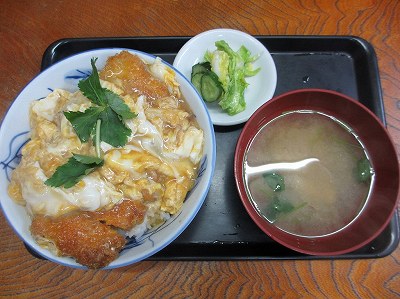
(28, 27)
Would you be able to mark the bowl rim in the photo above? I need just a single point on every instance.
(242, 146)
(107, 52)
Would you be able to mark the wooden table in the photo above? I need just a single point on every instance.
(28, 27)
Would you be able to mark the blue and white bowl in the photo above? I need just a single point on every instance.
(14, 133)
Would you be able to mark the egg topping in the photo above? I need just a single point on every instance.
(154, 170)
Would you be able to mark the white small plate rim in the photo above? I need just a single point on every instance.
(193, 51)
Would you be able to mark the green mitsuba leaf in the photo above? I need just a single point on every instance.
(88, 159)
(111, 109)
(113, 131)
(70, 173)
(91, 88)
(118, 105)
(364, 170)
(275, 181)
(279, 205)
(84, 122)
(104, 120)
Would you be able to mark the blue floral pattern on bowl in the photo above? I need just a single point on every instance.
(14, 153)
(78, 74)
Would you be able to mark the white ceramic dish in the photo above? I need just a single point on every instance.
(14, 133)
(261, 87)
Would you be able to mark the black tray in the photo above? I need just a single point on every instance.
(222, 230)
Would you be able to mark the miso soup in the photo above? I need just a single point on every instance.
(307, 173)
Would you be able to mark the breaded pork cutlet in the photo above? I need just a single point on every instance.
(89, 237)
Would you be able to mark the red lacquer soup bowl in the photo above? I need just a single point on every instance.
(382, 200)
